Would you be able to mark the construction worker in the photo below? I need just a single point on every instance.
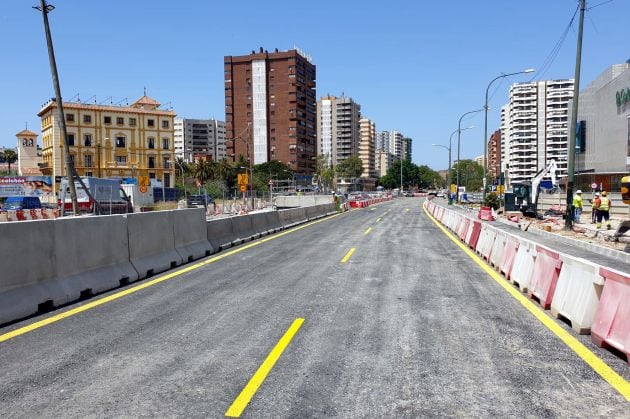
(603, 205)
(593, 209)
(577, 206)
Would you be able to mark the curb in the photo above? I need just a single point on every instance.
(615, 254)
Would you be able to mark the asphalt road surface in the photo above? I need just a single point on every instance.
(407, 325)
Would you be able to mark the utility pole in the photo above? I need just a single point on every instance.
(401, 178)
(573, 125)
(69, 166)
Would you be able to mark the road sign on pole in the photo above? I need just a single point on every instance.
(243, 179)
(243, 188)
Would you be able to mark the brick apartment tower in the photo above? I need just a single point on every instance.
(494, 151)
(270, 108)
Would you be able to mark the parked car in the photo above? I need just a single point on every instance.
(198, 201)
(15, 203)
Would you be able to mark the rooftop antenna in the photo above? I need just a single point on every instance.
(92, 97)
(26, 126)
(77, 96)
(109, 98)
(126, 100)
(145, 90)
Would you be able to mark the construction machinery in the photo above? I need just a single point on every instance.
(526, 193)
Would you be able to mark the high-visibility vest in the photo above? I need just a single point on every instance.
(577, 201)
(605, 204)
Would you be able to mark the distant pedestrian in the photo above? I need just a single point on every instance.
(577, 206)
(593, 209)
(603, 204)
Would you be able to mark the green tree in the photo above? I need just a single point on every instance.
(352, 167)
(470, 175)
(10, 156)
(202, 171)
(324, 172)
(413, 176)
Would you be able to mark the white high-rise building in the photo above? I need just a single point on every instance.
(199, 138)
(395, 144)
(505, 136)
(538, 127)
(338, 135)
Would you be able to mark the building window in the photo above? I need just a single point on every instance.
(151, 175)
(87, 119)
(87, 160)
(151, 142)
(167, 180)
(70, 139)
(151, 122)
(121, 160)
(88, 174)
(120, 121)
(87, 140)
(166, 163)
(165, 143)
(132, 122)
(107, 119)
(72, 158)
(70, 117)
(120, 141)
(151, 162)
(164, 124)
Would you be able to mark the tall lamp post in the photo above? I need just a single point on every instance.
(459, 136)
(485, 129)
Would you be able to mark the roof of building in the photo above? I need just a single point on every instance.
(146, 100)
(26, 133)
(140, 108)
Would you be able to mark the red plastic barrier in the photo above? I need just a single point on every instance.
(475, 234)
(485, 213)
(611, 326)
(20, 215)
(546, 271)
(463, 228)
(509, 253)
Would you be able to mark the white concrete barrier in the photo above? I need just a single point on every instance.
(243, 229)
(220, 233)
(577, 293)
(28, 266)
(92, 256)
(152, 242)
(190, 234)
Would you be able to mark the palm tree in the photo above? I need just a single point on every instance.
(10, 156)
(201, 171)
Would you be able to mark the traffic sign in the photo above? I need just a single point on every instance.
(143, 189)
(593, 185)
(243, 188)
(144, 181)
(453, 188)
(243, 179)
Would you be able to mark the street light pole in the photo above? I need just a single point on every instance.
(573, 125)
(459, 135)
(485, 129)
(401, 178)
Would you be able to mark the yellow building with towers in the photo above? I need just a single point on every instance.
(111, 141)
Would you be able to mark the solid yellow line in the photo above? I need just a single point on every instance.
(348, 255)
(599, 366)
(239, 404)
(367, 231)
(378, 219)
(147, 284)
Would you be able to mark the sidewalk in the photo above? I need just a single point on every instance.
(593, 252)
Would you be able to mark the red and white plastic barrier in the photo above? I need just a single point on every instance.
(546, 271)
(593, 298)
(32, 214)
(611, 326)
(577, 293)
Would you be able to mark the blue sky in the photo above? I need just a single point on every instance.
(414, 66)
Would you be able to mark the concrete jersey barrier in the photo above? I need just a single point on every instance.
(220, 233)
(191, 234)
(259, 224)
(243, 229)
(152, 242)
(23, 285)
